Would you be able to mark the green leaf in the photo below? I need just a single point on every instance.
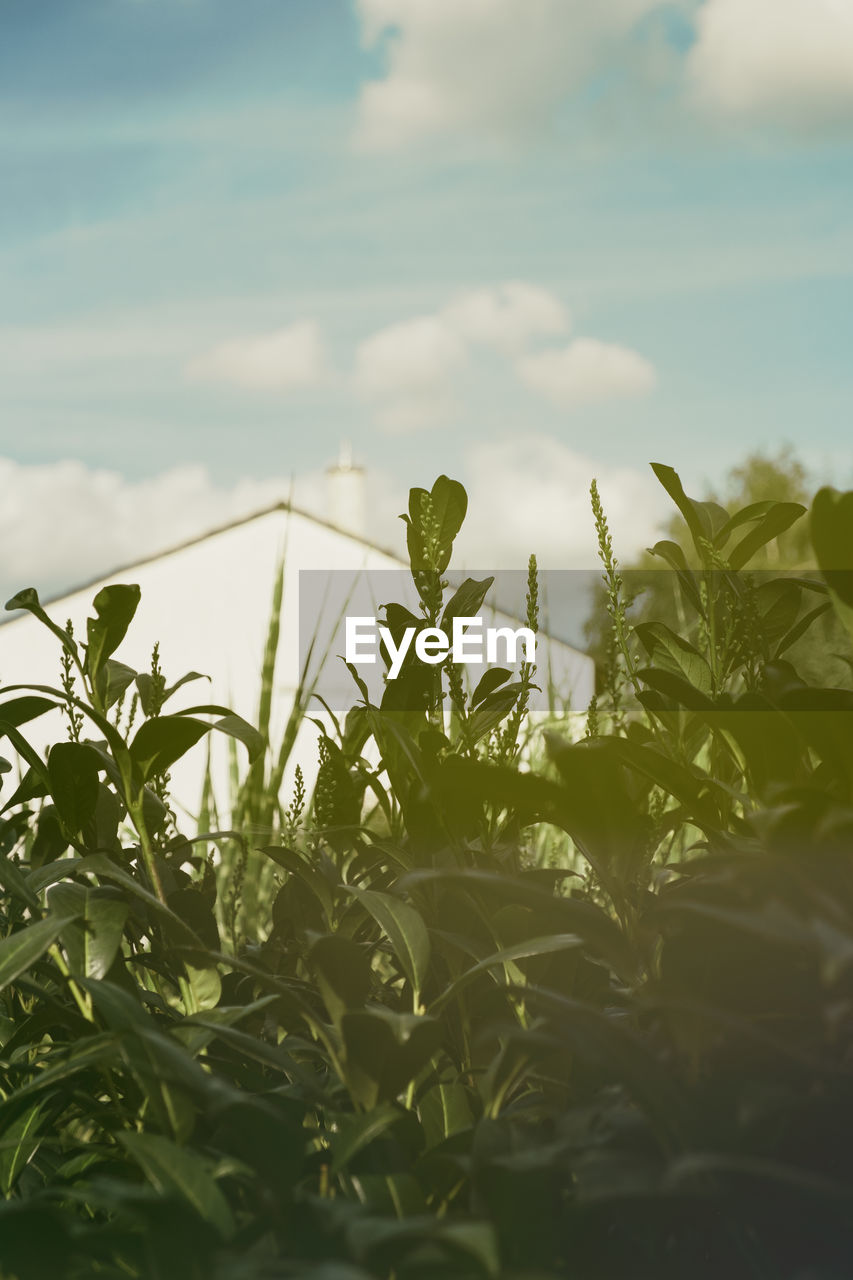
(92, 941)
(445, 1110)
(467, 601)
(174, 1170)
(343, 974)
(385, 1051)
(492, 710)
(18, 1144)
(695, 514)
(404, 929)
(19, 711)
(674, 686)
(430, 543)
(145, 685)
(779, 518)
(543, 946)
(160, 742)
(232, 725)
(672, 553)
(113, 679)
(21, 950)
(114, 606)
(670, 653)
(746, 515)
(15, 883)
(28, 599)
(72, 769)
(449, 505)
(355, 1132)
(832, 538)
(488, 682)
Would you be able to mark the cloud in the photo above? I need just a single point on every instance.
(782, 60)
(488, 66)
(99, 520)
(507, 317)
(285, 360)
(531, 494)
(587, 372)
(406, 370)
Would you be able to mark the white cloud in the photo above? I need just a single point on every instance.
(285, 360)
(587, 372)
(407, 371)
(508, 316)
(789, 60)
(531, 494)
(493, 66)
(98, 520)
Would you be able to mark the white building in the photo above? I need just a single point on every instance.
(207, 603)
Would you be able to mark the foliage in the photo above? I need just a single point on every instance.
(439, 1057)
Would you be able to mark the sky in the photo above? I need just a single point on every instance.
(521, 242)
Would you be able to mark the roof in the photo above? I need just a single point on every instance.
(285, 507)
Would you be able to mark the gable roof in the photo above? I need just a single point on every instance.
(284, 507)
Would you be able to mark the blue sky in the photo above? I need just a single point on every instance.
(233, 234)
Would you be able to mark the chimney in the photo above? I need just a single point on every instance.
(345, 493)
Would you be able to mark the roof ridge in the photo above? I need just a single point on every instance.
(283, 506)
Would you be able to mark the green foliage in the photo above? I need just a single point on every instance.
(431, 1054)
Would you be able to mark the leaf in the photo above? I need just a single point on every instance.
(113, 679)
(15, 883)
(746, 515)
(18, 711)
(449, 505)
(158, 743)
(492, 710)
(675, 687)
(145, 685)
(356, 1132)
(671, 653)
(601, 935)
(21, 950)
(445, 1110)
(19, 1141)
(343, 974)
(232, 725)
(779, 518)
(72, 770)
(672, 553)
(93, 939)
(429, 545)
(832, 537)
(114, 606)
(28, 599)
(174, 1170)
(800, 628)
(488, 682)
(385, 1051)
(205, 988)
(236, 727)
(467, 601)
(545, 945)
(695, 515)
(608, 1043)
(405, 930)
